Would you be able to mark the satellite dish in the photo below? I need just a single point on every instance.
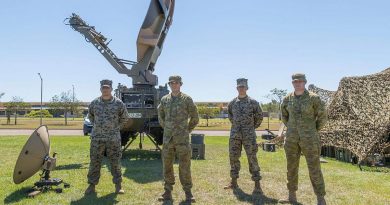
(35, 156)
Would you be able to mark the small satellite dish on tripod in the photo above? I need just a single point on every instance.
(35, 156)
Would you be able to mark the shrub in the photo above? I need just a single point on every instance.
(37, 114)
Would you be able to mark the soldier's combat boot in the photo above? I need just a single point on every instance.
(118, 189)
(292, 198)
(321, 200)
(166, 196)
(189, 196)
(257, 189)
(232, 185)
(90, 189)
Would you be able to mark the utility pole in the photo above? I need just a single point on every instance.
(41, 97)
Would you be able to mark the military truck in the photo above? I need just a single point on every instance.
(143, 97)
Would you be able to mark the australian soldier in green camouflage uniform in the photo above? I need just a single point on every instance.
(178, 116)
(246, 115)
(107, 114)
(304, 114)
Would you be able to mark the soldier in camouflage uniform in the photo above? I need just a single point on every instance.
(246, 115)
(304, 114)
(107, 114)
(178, 116)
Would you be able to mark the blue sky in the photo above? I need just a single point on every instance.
(210, 44)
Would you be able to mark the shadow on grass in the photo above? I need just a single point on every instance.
(253, 199)
(72, 166)
(170, 202)
(93, 199)
(17, 196)
(142, 166)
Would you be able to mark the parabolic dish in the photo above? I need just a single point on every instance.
(32, 156)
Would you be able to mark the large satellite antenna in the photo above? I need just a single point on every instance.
(142, 99)
(35, 156)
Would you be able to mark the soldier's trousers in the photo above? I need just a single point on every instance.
(114, 155)
(236, 142)
(310, 146)
(183, 152)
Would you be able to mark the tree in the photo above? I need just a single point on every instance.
(15, 105)
(1, 95)
(270, 107)
(220, 107)
(207, 112)
(8, 112)
(63, 102)
(277, 95)
(76, 107)
(37, 113)
(54, 106)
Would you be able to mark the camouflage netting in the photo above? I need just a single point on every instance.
(325, 95)
(359, 114)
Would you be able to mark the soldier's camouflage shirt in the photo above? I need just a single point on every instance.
(173, 115)
(303, 115)
(107, 117)
(245, 113)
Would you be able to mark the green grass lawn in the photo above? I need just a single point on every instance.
(32, 123)
(345, 183)
(77, 123)
(224, 124)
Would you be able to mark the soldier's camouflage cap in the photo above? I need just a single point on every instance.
(298, 76)
(242, 82)
(175, 78)
(106, 83)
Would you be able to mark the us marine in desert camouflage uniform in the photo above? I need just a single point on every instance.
(178, 116)
(107, 114)
(246, 115)
(304, 114)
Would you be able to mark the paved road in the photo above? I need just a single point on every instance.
(12, 132)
